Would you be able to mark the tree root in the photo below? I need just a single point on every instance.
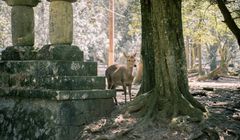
(137, 104)
(152, 108)
(215, 74)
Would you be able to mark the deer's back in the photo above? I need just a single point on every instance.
(118, 74)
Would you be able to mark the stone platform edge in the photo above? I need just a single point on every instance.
(58, 95)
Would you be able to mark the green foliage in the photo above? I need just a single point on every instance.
(128, 25)
(135, 16)
(203, 24)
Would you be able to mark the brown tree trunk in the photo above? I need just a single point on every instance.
(147, 52)
(200, 70)
(193, 57)
(111, 33)
(187, 52)
(170, 96)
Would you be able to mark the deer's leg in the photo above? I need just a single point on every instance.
(129, 92)
(112, 86)
(125, 92)
(115, 100)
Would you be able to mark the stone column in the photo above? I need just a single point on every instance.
(22, 17)
(61, 22)
(22, 20)
(60, 33)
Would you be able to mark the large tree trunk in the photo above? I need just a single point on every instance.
(147, 51)
(170, 97)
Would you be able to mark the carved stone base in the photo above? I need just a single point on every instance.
(60, 52)
(19, 53)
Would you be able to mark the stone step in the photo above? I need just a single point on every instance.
(47, 52)
(57, 94)
(52, 114)
(50, 67)
(60, 52)
(57, 82)
(4, 79)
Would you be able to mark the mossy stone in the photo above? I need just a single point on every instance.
(22, 26)
(61, 22)
(60, 52)
(49, 67)
(19, 53)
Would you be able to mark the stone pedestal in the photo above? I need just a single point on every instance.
(50, 99)
(60, 52)
(50, 115)
(19, 53)
(53, 97)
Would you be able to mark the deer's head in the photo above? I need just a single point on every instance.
(130, 59)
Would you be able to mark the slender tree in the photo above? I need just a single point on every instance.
(229, 19)
(170, 95)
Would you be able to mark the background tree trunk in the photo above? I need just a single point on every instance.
(193, 57)
(213, 57)
(200, 70)
(187, 52)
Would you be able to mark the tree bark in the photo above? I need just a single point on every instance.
(200, 70)
(187, 52)
(147, 51)
(170, 96)
(213, 57)
(193, 57)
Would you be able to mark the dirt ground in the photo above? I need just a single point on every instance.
(221, 98)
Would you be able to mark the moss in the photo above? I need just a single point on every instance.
(26, 122)
(19, 53)
(60, 52)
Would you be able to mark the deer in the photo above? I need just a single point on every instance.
(121, 75)
(139, 73)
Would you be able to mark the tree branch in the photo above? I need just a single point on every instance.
(229, 20)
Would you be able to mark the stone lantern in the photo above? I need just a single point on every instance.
(22, 24)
